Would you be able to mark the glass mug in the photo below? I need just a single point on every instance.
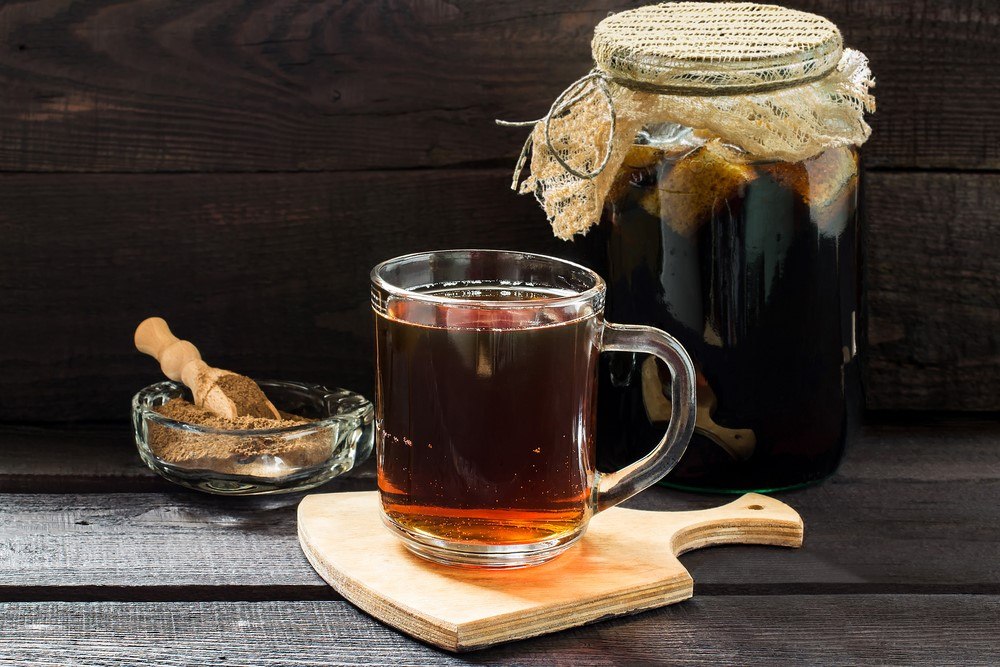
(486, 402)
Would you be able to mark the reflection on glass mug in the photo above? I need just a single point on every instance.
(487, 383)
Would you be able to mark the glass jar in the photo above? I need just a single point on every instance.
(754, 266)
(709, 162)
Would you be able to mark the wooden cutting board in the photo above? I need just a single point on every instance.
(626, 562)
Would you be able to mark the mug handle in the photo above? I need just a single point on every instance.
(615, 487)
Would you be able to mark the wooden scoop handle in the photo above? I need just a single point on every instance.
(153, 337)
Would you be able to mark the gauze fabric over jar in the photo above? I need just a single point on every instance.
(718, 196)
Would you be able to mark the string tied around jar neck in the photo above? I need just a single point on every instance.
(575, 92)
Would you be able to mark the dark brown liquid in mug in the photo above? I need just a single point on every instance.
(485, 419)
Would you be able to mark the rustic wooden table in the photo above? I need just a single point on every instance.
(102, 562)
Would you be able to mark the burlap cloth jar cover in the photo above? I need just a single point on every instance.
(766, 82)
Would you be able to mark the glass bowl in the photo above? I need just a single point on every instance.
(256, 461)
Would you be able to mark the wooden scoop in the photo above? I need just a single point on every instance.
(225, 393)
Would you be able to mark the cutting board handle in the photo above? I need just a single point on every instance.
(622, 565)
(750, 519)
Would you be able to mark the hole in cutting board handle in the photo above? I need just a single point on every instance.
(755, 507)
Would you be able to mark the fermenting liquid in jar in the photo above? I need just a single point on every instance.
(754, 268)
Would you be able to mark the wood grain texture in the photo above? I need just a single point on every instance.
(269, 272)
(626, 562)
(921, 449)
(76, 544)
(102, 458)
(934, 291)
(132, 540)
(99, 458)
(816, 630)
(140, 85)
(130, 86)
(287, 259)
(912, 509)
(72, 460)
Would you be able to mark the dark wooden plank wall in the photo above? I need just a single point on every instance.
(238, 166)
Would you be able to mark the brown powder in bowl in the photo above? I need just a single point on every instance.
(256, 455)
(245, 393)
